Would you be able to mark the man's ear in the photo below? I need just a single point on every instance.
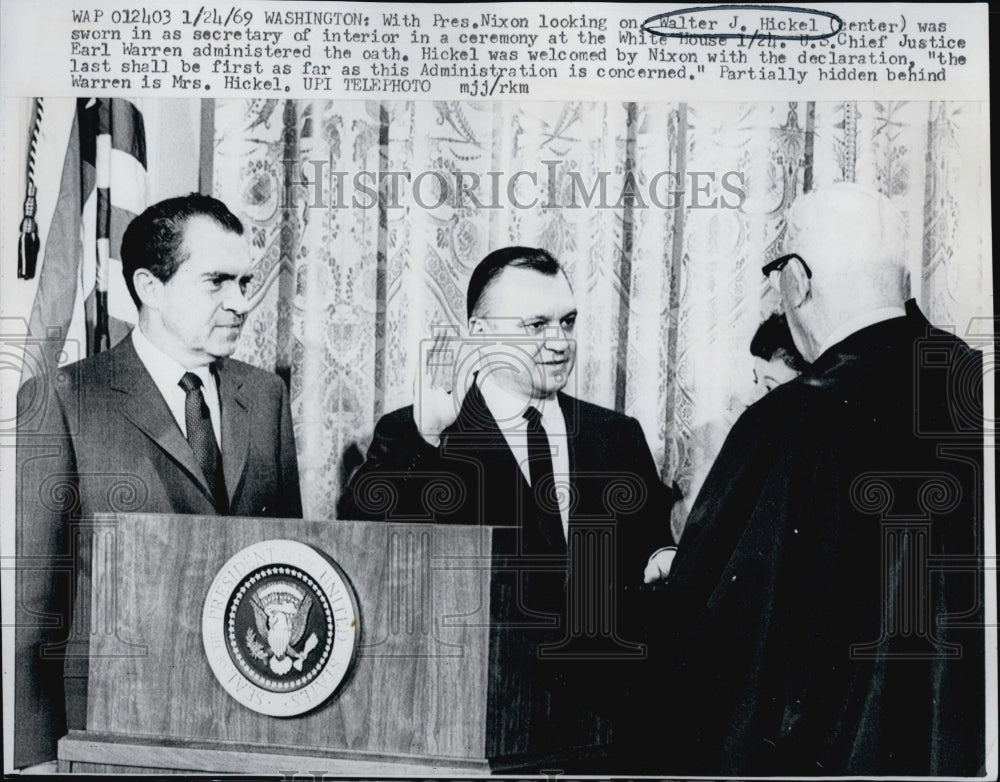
(147, 287)
(797, 284)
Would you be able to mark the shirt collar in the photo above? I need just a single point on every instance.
(862, 321)
(508, 407)
(165, 370)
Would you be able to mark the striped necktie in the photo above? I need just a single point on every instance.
(201, 437)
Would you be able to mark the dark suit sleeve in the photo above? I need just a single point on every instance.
(648, 530)
(291, 497)
(381, 486)
(47, 492)
(640, 534)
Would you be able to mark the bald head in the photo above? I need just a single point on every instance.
(846, 226)
(852, 239)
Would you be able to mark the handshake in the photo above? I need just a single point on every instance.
(658, 567)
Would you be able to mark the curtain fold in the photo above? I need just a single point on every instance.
(662, 214)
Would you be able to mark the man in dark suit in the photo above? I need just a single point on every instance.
(164, 422)
(824, 614)
(492, 439)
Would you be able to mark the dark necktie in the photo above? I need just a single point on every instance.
(201, 437)
(543, 533)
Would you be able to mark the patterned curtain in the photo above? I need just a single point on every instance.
(669, 298)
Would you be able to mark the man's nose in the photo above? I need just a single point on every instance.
(236, 300)
(556, 338)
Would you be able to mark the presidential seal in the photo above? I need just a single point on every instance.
(280, 627)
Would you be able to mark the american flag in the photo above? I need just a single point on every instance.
(81, 293)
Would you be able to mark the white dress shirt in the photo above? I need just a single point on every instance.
(167, 374)
(508, 410)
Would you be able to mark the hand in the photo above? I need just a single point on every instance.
(658, 567)
(443, 379)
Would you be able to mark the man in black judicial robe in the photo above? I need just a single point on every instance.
(824, 613)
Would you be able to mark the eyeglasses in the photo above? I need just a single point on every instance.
(780, 263)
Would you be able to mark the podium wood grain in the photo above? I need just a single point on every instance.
(88, 752)
(413, 675)
(445, 675)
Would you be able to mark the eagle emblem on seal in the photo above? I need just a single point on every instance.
(281, 612)
(280, 627)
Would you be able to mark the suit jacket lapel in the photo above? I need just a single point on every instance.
(574, 438)
(145, 407)
(571, 412)
(235, 425)
(476, 433)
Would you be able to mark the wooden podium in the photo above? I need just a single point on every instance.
(446, 678)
